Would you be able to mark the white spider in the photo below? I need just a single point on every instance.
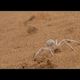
(53, 44)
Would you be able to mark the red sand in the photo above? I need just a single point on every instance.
(23, 33)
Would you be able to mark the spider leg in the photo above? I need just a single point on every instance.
(64, 41)
(61, 42)
(69, 45)
(51, 52)
(40, 50)
(72, 40)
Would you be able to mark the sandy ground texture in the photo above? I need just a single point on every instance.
(22, 34)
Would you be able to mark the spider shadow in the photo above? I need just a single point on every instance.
(57, 50)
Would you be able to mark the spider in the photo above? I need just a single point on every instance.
(53, 44)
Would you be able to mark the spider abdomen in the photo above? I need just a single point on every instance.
(50, 42)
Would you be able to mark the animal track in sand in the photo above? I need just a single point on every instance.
(44, 62)
(29, 20)
(32, 30)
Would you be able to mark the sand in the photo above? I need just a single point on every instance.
(22, 34)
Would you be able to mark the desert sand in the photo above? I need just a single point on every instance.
(23, 33)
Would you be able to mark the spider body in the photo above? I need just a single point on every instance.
(54, 44)
(51, 42)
